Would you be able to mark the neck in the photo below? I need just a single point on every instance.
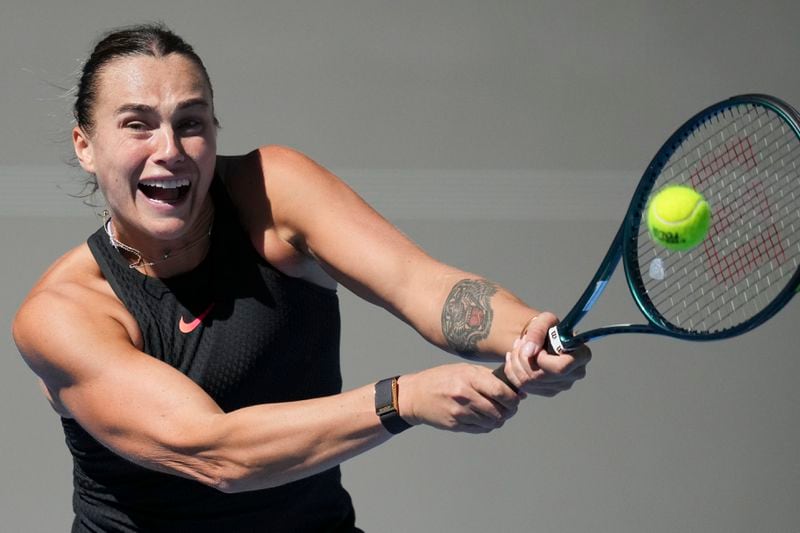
(162, 259)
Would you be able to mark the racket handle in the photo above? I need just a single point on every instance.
(500, 371)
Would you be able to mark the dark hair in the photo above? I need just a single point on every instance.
(154, 40)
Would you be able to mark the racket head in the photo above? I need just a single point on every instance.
(743, 156)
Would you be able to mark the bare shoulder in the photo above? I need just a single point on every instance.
(70, 304)
(304, 193)
(268, 172)
(274, 188)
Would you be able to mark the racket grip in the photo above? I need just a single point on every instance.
(500, 373)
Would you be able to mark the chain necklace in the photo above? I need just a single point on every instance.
(141, 260)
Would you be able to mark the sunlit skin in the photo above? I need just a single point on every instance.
(153, 120)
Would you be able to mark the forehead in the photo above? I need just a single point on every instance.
(151, 80)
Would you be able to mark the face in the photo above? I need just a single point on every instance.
(153, 146)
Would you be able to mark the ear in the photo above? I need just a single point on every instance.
(83, 149)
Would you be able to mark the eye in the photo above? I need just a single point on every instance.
(136, 125)
(191, 126)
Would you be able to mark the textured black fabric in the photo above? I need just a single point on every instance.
(264, 337)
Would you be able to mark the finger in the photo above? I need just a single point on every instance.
(506, 411)
(524, 362)
(538, 327)
(502, 398)
(511, 374)
(478, 417)
(564, 380)
(506, 400)
(492, 405)
(557, 367)
(522, 366)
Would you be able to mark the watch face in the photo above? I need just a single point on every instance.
(386, 406)
(384, 396)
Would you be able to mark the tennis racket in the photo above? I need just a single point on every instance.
(743, 156)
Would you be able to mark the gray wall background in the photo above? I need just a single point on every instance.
(504, 137)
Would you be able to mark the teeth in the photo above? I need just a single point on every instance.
(167, 184)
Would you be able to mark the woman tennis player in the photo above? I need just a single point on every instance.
(191, 345)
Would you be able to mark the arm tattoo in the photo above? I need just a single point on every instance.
(467, 315)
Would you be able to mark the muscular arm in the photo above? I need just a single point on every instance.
(150, 413)
(320, 216)
(155, 416)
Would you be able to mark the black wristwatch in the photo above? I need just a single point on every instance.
(386, 406)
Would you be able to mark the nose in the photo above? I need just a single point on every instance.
(169, 149)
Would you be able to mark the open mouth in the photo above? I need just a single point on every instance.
(166, 191)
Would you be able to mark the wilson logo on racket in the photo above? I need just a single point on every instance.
(741, 155)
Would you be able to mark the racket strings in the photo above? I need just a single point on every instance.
(701, 153)
(786, 200)
(789, 232)
(702, 284)
(696, 317)
(745, 162)
(733, 193)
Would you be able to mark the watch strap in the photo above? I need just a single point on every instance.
(386, 392)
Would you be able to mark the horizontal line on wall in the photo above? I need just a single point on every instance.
(397, 194)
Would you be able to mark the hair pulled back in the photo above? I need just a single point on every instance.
(155, 40)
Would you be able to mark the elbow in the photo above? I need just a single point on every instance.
(215, 467)
(233, 474)
(234, 482)
(225, 485)
(226, 461)
(222, 474)
(213, 474)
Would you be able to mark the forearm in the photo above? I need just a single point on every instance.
(470, 316)
(269, 445)
(481, 319)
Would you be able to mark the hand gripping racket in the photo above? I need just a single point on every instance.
(743, 156)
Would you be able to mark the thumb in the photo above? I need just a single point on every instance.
(537, 329)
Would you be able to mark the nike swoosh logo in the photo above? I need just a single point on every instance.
(188, 327)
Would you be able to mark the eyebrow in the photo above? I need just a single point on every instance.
(143, 108)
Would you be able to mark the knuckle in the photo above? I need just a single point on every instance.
(456, 413)
(452, 421)
(462, 391)
(549, 318)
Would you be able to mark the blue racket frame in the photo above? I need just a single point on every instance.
(625, 247)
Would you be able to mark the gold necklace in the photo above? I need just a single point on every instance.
(141, 260)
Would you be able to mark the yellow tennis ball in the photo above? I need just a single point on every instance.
(678, 217)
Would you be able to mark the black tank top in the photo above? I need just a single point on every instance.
(247, 334)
